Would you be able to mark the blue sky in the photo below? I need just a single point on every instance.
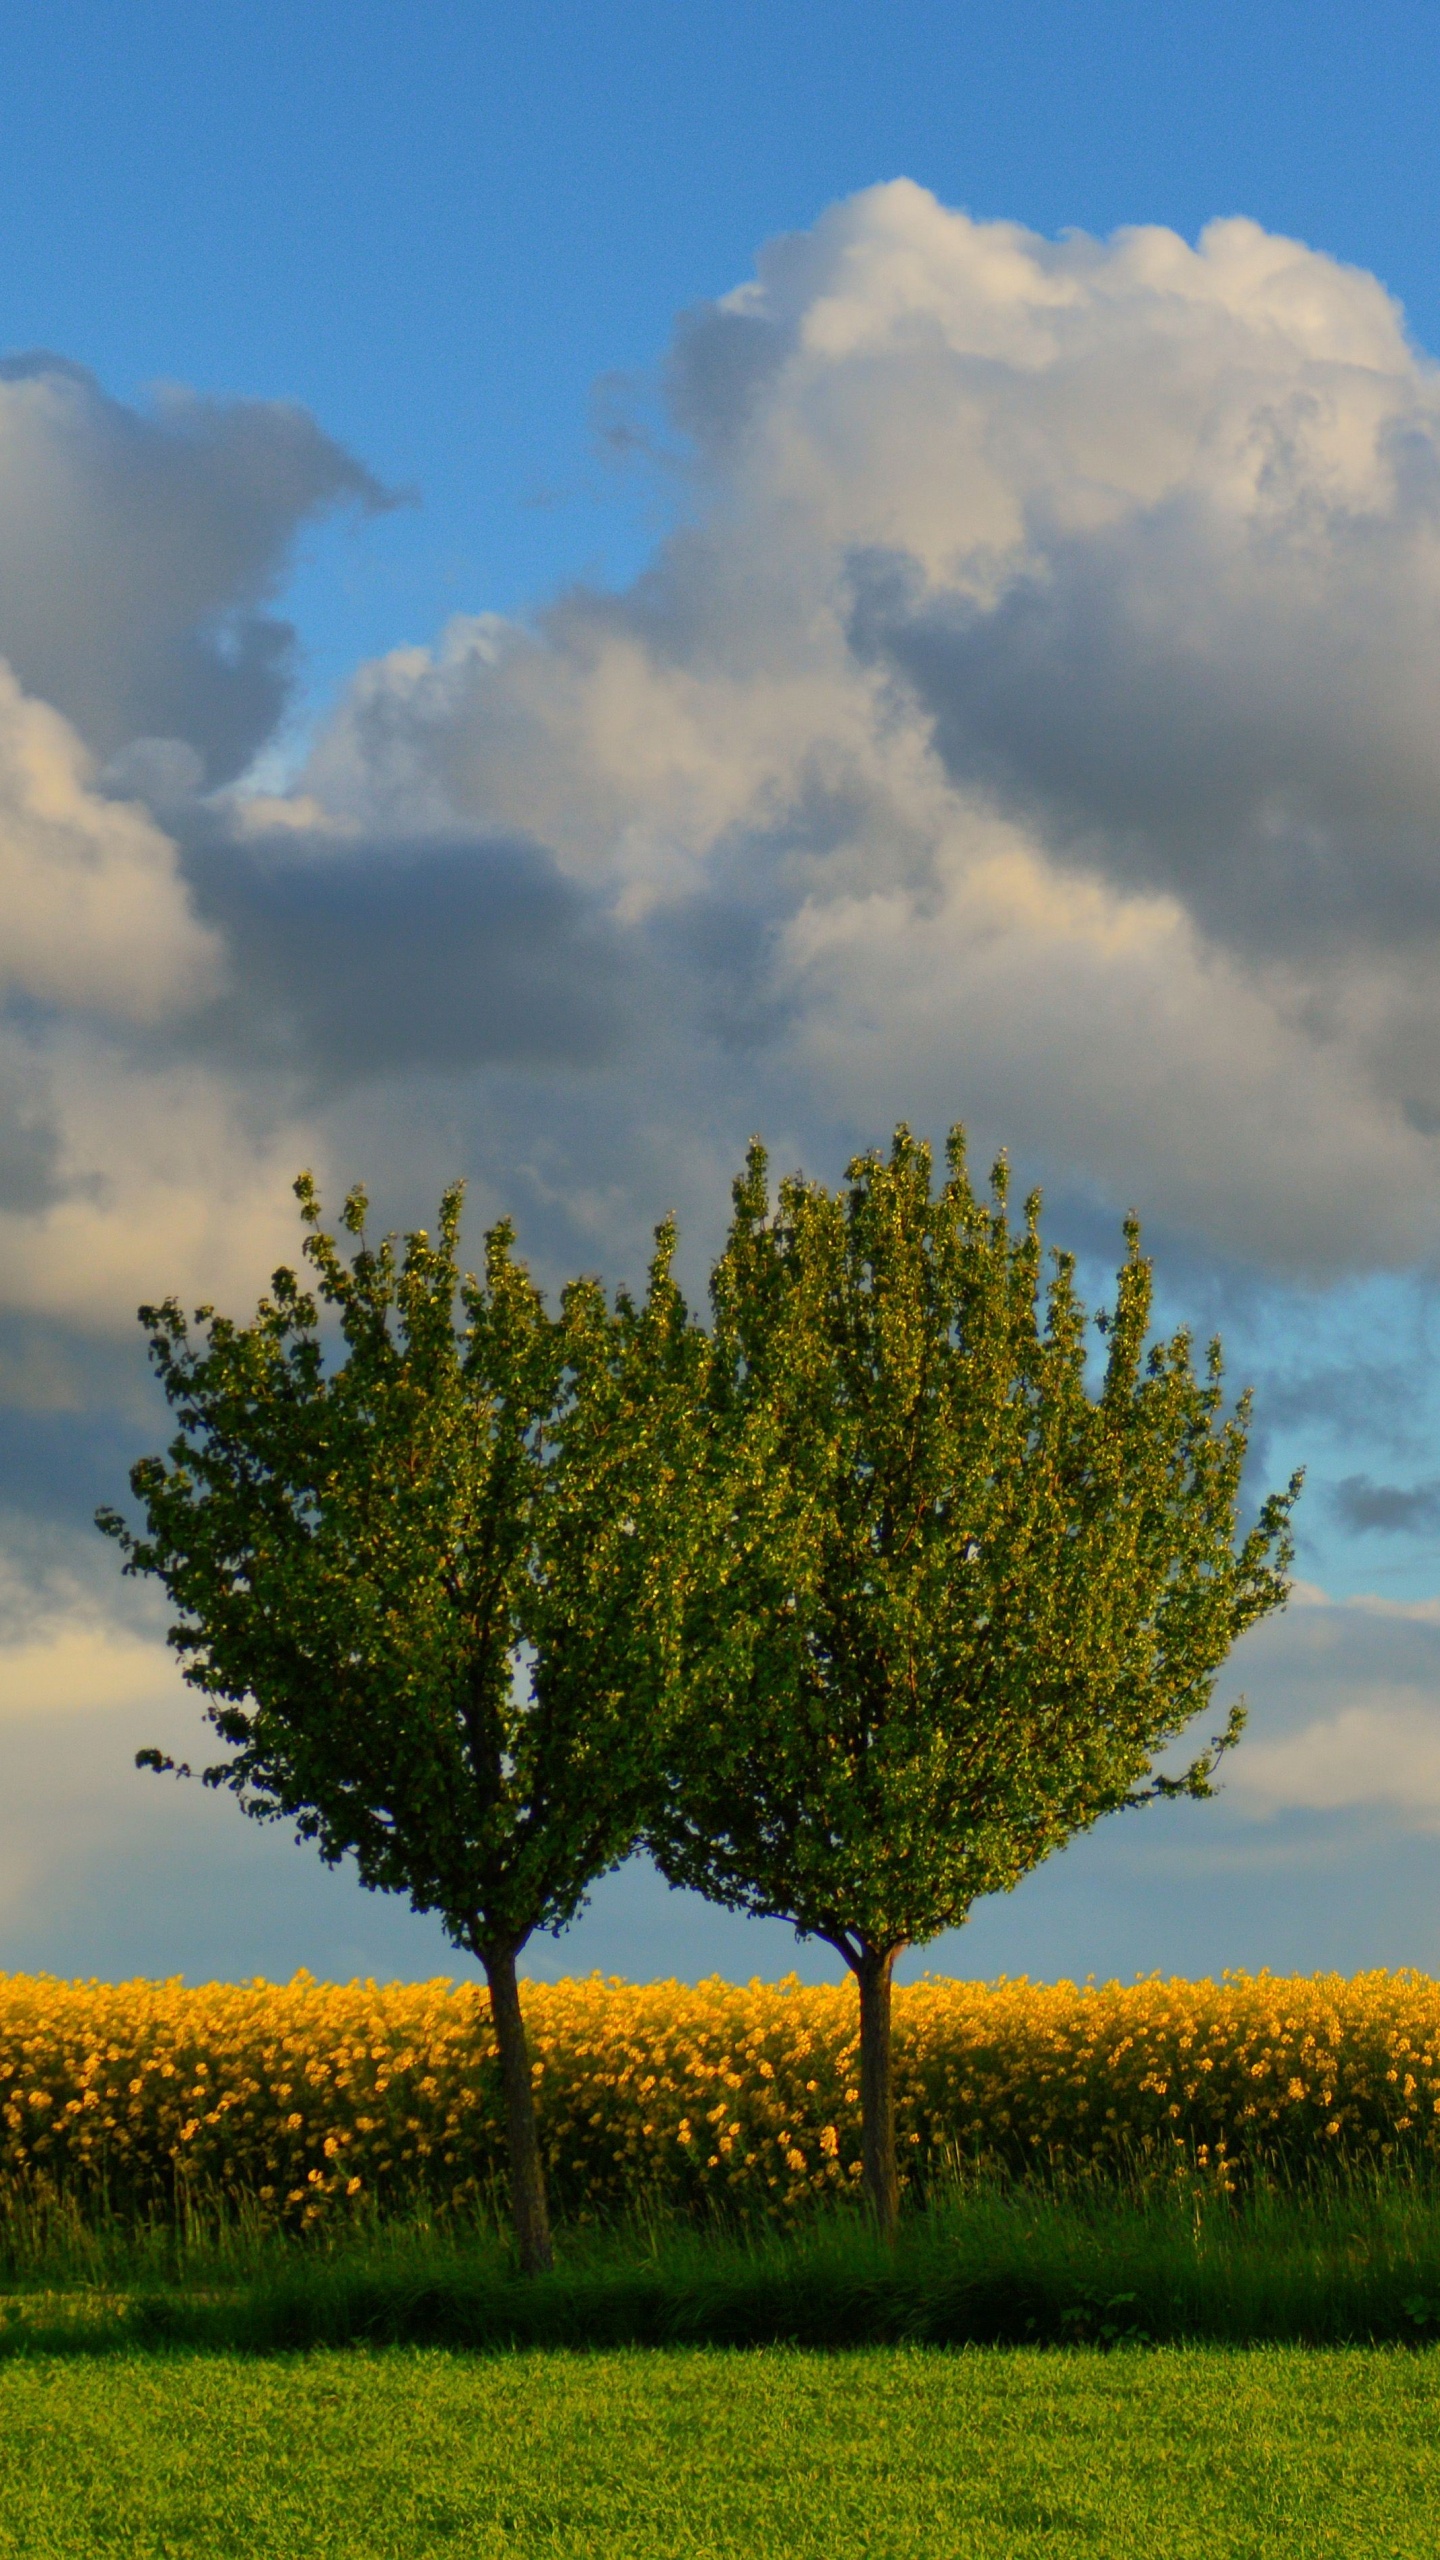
(442, 228)
(931, 667)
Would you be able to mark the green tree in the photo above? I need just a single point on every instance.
(954, 1601)
(417, 1582)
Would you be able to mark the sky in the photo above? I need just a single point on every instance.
(578, 583)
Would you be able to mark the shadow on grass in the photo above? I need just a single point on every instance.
(1352, 2261)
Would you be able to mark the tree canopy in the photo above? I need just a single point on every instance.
(953, 1598)
(419, 1583)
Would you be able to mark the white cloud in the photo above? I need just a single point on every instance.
(96, 916)
(84, 1670)
(1346, 1710)
(1031, 723)
(1034, 722)
(138, 549)
(1098, 1033)
(126, 1168)
(1382, 1751)
(163, 1179)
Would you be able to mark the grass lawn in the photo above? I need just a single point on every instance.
(1274, 2453)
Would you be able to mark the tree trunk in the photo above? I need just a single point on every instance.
(877, 2088)
(527, 2177)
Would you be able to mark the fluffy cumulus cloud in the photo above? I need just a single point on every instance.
(1033, 718)
(1028, 721)
(139, 550)
(97, 920)
(120, 1147)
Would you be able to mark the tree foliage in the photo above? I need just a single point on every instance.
(955, 1598)
(418, 1580)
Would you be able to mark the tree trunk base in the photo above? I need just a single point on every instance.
(873, 1974)
(527, 2176)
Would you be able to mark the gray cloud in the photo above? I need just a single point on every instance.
(356, 960)
(139, 549)
(1237, 715)
(1360, 1504)
(29, 1153)
(722, 360)
(1346, 1396)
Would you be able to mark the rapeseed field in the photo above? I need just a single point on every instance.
(310, 2099)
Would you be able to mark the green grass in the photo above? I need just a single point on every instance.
(1350, 2263)
(1028, 2372)
(899, 2454)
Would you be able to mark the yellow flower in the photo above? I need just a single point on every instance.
(119, 2090)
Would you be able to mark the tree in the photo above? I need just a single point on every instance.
(955, 1601)
(417, 1583)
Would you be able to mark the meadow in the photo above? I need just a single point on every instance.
(1168, 2273)
(901, 2455)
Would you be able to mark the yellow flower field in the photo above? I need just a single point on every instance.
(309, 2096)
